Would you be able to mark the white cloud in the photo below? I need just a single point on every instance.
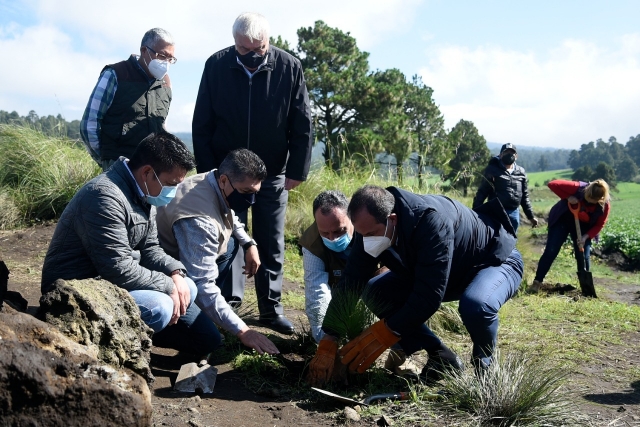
(579, 92)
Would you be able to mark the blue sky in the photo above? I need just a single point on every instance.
(544, 73)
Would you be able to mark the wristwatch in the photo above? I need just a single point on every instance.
(249, 244)
(180, 272)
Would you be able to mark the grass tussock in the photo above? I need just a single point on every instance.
(40, 174)
(515, 390)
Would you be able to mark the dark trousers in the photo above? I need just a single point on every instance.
(558, 233)
(486, 292)
(267, 228)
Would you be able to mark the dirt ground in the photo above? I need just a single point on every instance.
(607, 401)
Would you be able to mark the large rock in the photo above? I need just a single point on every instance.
(46, 379)
(103, 317)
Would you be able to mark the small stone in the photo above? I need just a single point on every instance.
(194, 410)
(196, 399)
(351, 415)
(358, 408)
(622, 409)
(194, 423)
(384, 421)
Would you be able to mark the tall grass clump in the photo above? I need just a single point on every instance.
(515, 390)
(41, 173)
(9, 213)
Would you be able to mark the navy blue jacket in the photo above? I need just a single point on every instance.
(442, 244)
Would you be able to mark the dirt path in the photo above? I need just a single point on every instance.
(234, 404)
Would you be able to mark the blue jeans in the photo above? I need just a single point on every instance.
(556, 237)
(514, 216)
(479, 303)
(194, 333)
(225, 277)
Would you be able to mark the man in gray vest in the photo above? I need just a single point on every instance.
(199, 227)
(130, 101)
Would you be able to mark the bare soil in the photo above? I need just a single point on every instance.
(606, 399)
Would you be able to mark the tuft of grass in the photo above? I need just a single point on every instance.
(40, 173)
(447, 319)
(9, 212)
(515, 390)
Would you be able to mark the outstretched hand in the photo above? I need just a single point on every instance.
(257, 341)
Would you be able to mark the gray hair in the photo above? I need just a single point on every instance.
(328, 200)
(251, 25)
(378, 202)
(241, 164)
(155, 35)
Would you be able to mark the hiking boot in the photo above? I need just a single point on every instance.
(439, 363)
(398, 363)
(534, 287)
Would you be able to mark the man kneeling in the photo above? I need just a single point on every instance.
(109, 230)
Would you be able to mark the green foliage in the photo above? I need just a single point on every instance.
(583, 173)
(255, 364)
(622, 231)
(621, 162)
(49, 125)
(40, 173)
(606, 172)
(516, 390)
(349, 315)
(541, 178)
(470, 158)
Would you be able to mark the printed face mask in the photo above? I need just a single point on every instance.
(251, 59)
(339, 244)
(167, 193)
(375, 245)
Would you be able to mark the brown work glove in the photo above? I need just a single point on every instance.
(321, 366)
(362, 351)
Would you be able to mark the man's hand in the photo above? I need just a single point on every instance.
(184, 295)
(584, 239)
(251, 261)
(322, 364)
(534, 222)
(257, 341)
(290, 184)
(363, 350)
(176, 306)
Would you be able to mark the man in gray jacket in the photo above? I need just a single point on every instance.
(109, 230)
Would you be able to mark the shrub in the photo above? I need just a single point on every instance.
(41, 173)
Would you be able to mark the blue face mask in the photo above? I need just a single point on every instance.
(167, 194)
(339, 244)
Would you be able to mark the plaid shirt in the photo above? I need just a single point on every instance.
(100, 101)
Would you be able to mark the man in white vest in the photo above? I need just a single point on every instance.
(200, 228)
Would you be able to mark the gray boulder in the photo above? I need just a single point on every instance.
(46, 379)
(103, 317)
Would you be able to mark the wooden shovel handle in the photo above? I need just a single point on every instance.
(575, 211)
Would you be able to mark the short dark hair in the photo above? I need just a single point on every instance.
(328, 200)
(376, 200)
(163, 152)
(241, 164)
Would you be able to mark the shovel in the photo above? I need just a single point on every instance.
(584, 277)
(369, 400)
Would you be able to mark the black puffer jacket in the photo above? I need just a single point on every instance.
(442, 244)
(510, 188)
(269, 114)
(100, 232)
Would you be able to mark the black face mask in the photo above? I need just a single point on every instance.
(240, 202)
(251, 59)
(508, 159)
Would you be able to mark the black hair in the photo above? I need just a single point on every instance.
(163, 152)
(376, 200)
(328, 200)
(241, 164)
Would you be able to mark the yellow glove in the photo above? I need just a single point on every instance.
(362, 351)
(321, 366)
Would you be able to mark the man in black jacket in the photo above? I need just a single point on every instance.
(505, 180)
(253, 95)
(437, 250)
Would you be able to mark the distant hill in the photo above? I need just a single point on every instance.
(528, 157)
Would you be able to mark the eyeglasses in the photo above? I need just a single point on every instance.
(162, 57)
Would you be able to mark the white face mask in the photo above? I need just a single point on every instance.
(375, 245)
(158, 68)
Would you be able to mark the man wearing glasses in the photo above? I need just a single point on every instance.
(130, 101)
